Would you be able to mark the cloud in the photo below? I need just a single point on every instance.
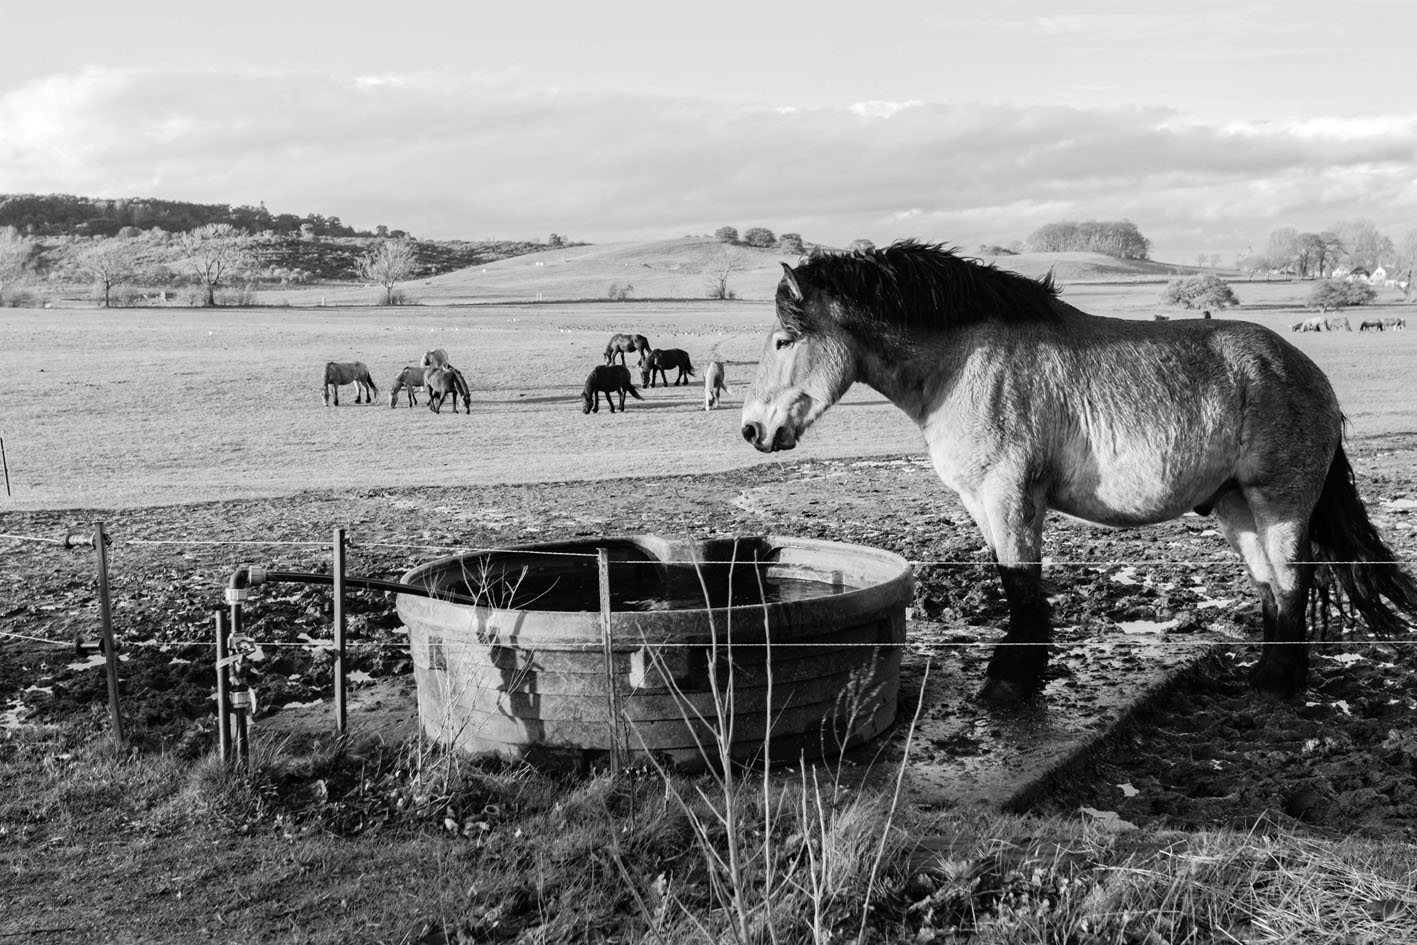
(455, 157)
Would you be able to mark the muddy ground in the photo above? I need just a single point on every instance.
(1342, 758)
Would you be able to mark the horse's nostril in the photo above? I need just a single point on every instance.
(750, 432)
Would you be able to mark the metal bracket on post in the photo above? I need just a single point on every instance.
(607, 644)
(243, 707)
(337, 570)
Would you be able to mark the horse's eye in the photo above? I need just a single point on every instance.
(784, 341)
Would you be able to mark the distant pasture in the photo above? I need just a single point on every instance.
(157, 406)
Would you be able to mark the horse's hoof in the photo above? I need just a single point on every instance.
(999, 692)
(1272, 679)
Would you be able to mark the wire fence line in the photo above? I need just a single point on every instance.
(1147, 640)
(1046, 561)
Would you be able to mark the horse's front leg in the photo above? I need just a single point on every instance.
(1011, 520)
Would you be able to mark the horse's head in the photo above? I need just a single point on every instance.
(807, 363)
(588, 397)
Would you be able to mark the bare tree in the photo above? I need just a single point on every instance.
(215, 252)
(107, 262)
(1361, 244)
(388, 263)
(719, 268)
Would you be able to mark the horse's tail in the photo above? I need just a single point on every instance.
(1348, 547)
(369, 379)
(630, 389)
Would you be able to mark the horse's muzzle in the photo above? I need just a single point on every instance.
(754, 433)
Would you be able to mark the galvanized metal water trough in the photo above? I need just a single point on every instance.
(792, 638)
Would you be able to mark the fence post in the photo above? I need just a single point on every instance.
(6, 464)
(223, 688)
(338, 572)
(105, 612)
(607, 644)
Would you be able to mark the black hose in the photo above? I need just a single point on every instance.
(371, 584)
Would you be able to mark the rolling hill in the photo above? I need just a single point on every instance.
(669, 269)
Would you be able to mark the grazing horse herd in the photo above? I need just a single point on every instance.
(435, 375)
(654, 364)
(1341, 323)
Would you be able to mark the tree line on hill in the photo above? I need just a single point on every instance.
(1120, 239)
(44, 215)
(220, 264)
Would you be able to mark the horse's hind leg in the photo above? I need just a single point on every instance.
(1012, 523)
(1274, 542)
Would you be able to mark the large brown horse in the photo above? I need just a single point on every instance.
(619, 344)
(348, 372)
(1028, 404)
(445, 382)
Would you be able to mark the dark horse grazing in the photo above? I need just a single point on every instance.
(619, 344)
(660, 360)
(444, 382)
(1028, 404)
(607, 379)
(348, 372)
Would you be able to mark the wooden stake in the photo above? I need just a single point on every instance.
(607, 644)
(223, 692)
(338, 572)
(105, 612)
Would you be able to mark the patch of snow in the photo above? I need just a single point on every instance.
(1215, 602)
(1147, 626)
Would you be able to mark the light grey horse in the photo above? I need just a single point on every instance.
(714, 384)
(1028, 404)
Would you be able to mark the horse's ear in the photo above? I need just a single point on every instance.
(790, 278)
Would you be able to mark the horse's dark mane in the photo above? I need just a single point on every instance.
(920, 284)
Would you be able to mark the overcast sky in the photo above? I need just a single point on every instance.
(1207, 125)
